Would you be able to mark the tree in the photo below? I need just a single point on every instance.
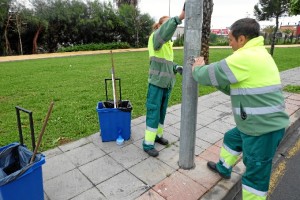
(119, 3)
(4, 18)
(267, 9)
(207, 12)
(136, 27)
(295, 7)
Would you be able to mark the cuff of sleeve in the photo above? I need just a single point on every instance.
(177, 20)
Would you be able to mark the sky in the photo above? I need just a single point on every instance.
(225, 12)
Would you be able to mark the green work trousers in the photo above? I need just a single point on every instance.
(258, 152)
(157, 104)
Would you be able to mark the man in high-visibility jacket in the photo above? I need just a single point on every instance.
(161, 80)
(251, 78)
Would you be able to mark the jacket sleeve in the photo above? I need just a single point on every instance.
(165, 32)
(215, 74)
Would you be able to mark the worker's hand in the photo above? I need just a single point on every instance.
(199, 61)
(181, 16)
(179, 69)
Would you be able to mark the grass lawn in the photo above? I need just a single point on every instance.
(76, 84)
(292, 89)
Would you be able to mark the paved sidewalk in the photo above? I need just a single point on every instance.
(89, 169)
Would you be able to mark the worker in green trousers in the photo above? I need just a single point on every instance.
(161, 80)
(251, 78)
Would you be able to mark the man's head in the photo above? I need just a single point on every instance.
(242, 31)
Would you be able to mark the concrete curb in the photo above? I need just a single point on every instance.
(232, 189)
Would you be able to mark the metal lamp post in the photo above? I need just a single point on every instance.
(192, 49)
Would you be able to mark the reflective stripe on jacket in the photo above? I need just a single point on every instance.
(250, 76)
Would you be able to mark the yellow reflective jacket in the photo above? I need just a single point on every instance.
(251, 78)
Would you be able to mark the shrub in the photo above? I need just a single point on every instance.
(94, 47)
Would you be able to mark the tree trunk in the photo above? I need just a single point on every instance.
(35, 38)
(274, 36)
(207, 12)
(291, 37)
(18, 23)
(7, 44)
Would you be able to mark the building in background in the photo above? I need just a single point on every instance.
(178, 32)
(220, 31)
(295, 29)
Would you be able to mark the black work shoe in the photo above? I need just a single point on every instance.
(161, 141)
(152, 152)
(213, 167)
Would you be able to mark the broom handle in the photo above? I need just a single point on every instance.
(42, 132)
(113, 81)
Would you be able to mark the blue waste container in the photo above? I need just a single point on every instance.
(114, 121)
(18, 179)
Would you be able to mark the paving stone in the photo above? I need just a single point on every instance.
(198, 150)
(46, 197)
(171, 119)
(170, 137)
(91, 194)
(291, 107)
(211, 103)
(107, 147)
(56, 165)
(137, 132)
(295, 97)
(101, 169)
(220, 126)
(138, 120)
(170, 156)
(174, 108)
(67, 185)
(72, 145)
(123, 186)
(95, 136)
(219, 143)
(151, 171)
(128, 155)
(293, 102)
(52, 152)
(201, 108)
(228, 119)
(177, 126)
(172, 130)
(214, 114)
(202, 144)
(294, 118)
(209, 156)
(226, 107)
(177, 112)
(202, 174)
(202, 120)
(214, 149)
(209, 135)
(223, 187)
(178, 186)
(84, 154)
(150, 195)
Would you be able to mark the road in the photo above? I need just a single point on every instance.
(288, 171)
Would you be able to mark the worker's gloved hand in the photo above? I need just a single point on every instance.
(179, 69)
